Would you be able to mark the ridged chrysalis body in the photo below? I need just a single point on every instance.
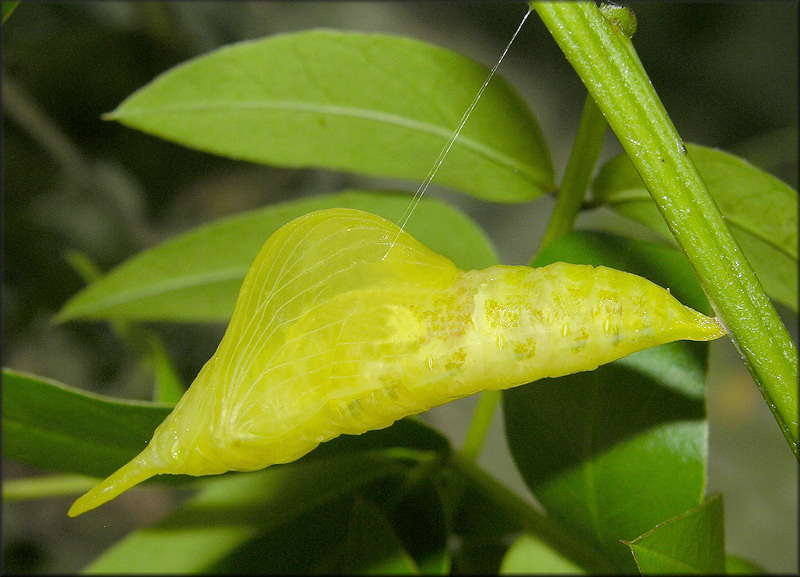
(345, 324)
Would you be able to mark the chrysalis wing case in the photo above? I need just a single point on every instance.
(338, 330)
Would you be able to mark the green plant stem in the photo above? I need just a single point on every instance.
(532, 520)
(31, 488)
(479, 426)
(606, 62)
(585, 151)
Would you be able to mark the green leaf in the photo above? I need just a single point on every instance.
(369, 103)
(478, 515)
(613, 452)
(304, 545)
(760, 209)
(196, 276)
(610, 453)
(370, 545)
(47, 424)
(529, 555)
(347, 536)
(168, 385)
(418, 519)
(690, 543)
(367, 540)
(232, 510)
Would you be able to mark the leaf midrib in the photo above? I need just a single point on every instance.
(171, 285)
(466, 142)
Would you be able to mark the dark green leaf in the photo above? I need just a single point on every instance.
(477, 515)
(196, 276)
(47, 424)
(369, 103)
(529, 555)
(370, 546)
(419, 521)
(613, 452)
(231, 511)
(479, 556)
(760, 209)
(341, 537)
(690, 543)
(301, 546)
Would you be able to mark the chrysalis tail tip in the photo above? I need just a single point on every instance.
(127, 476)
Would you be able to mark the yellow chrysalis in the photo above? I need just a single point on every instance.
(334, 332)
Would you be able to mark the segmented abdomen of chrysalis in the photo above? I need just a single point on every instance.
(345, 324)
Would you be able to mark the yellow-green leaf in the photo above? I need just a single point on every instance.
(370, 103)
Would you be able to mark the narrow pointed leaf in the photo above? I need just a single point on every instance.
(50, 425)
(368, 103)
(168, 385)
